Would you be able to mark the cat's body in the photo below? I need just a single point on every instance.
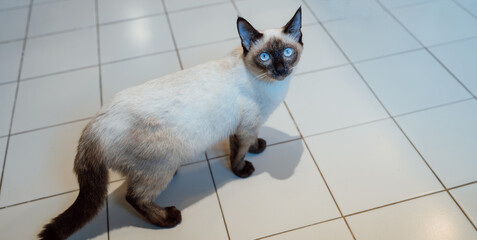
(147, 131)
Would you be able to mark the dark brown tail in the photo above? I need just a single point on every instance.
(93, 182)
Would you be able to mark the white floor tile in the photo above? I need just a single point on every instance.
(33, 216)
(434, 217)
(191, 191)
(61, 16)
(278, 128)
(331, 99)
(13, 24)
(7, 96)
(191, 28)
(60, 52)
(445, 137)
(115, 10)
(327, 10)
(460, 57)
(467, 198)
(135, 38)
(57, 99)
(45, 169)
(285, 192)
(437, 22)
(390, 4)
(333, 230)
(121, 75)
(411, 81)
(175, 5)
(201, 54)
(5, 4)
(262, 16)
(372, 36)
(10, 55)
(319, 50)
(470, 5)
(370, 166)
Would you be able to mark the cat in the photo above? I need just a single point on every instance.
(147, 130)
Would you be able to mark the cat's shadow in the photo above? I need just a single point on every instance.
(193, 182)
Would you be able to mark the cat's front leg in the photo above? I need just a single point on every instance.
(239, 146)
(258, 146)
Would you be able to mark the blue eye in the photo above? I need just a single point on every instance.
(264, 57)
(287, 52)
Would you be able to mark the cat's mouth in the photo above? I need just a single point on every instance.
(279, 75)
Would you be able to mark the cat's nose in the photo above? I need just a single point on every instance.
(280, 72)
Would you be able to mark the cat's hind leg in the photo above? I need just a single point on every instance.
(141, 193)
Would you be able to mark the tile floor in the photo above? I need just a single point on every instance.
(377, 138)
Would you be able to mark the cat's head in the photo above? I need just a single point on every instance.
(271, 54)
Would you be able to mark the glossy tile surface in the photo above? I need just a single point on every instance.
(431, 217)
(411, 81)
(61, 16)
(60, 52)
(10, 55)
(437, 22)
(118, 10)
(52, 150)
(333, 147)
(284, 174)
(370, 166)
(135, 38)
(331, 99)
(445, 137)
(459, 58)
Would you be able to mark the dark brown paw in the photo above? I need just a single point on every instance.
(246, 171)
(173, 217)
(258, 147)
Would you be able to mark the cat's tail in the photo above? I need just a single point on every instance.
(93, 182)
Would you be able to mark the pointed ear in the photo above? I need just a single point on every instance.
(293, 27)
(247, 33)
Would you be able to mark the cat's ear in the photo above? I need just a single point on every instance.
(293, 27)
(247, 33)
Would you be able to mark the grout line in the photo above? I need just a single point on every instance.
(415, 4)
(298, 228)
(16, 94)
(433, 107)
(462, 185)
(465, 9)
(321, 69)
(318, 168)
(424, 46)
(6, 83)
(137, 57)
(236, 7)
(59, 72)
(217, 195)
(198, 7)
(172, 34)
(347, 127)
(13, 8)
(49, 126)
(54, 195)
(394, 203)
(11, 41)
(388, 55)
(96, 9)
(130, 19)
(61, 31)
(451, 42)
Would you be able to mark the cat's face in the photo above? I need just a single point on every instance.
(272, 54)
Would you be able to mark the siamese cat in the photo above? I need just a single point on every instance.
(147, 130)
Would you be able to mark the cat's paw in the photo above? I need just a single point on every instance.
(258, 147)
(173, 217)
(246, 171)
